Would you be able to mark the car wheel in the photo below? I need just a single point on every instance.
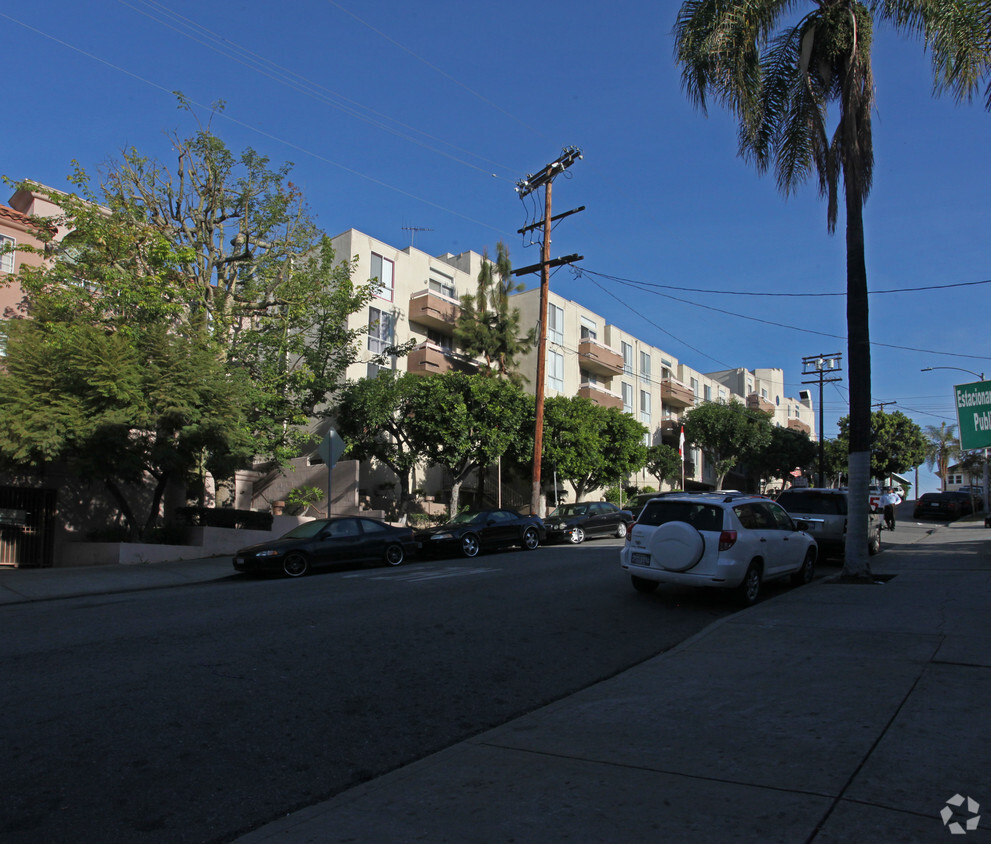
(295, 565)
(641, 584)
(470, 546)
(394, 554)
(577, 536)
(874, 545)
(749, 590)
(531, 539)
(621, 530)
(807, 572)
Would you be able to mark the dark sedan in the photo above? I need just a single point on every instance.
(329, 542)
(471, 532)
(574, 522)
(943, 505)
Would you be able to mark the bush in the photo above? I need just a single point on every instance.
(302, 497)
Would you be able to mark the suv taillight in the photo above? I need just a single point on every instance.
(727, 539)
(629, 530)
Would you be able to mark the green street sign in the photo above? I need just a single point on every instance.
(974, 414)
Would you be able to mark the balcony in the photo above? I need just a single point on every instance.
(600, 395)
(755, 402)
(599, 359)
(676, 394)
(434, 311)
(799, 425)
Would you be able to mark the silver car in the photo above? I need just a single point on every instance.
(825, 512)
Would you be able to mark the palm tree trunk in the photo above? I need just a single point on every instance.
(856, 563)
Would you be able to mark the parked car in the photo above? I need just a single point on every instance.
(576, 522)
(329, 542)
(469, 533)
(943, 505)
(717, 540)
(825, 513)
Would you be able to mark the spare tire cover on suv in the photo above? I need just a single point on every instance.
(676, 546)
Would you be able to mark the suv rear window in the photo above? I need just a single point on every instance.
(813, 503)
(699, 516)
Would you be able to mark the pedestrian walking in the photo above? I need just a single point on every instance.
(889, 501)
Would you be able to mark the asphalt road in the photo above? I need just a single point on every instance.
(197, 713)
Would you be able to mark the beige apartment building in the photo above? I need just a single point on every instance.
(419, 299)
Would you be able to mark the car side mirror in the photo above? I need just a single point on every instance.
(801, 524)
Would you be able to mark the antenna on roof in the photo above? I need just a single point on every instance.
(413, 230)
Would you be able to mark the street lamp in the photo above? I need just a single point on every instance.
(979, 376)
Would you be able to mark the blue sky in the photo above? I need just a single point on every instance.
(400, 115)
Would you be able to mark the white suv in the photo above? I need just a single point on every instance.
(719, 539)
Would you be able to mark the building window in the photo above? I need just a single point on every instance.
(379, 331)
(707, 392)
(695, 387)
(555, 371)
(555, 324)
(384, 270)
(438, 339)
(6, 258)
(627, 358)
(627, 398)
(645, 407)
(442, 284)
(645, 366)
(588, 330)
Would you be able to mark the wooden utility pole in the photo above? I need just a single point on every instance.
(544, 178)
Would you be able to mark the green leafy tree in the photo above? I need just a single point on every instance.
(588, 445)
(374, 417)
(726, 433)
(664, 463)
(784, 450)
(942, 449)
(898, 443)
(836, 454)
(120, 407)
(464, 422)
(255, 272)
(488, 327)
(779, 84)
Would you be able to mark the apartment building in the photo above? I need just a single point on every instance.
(17, 230)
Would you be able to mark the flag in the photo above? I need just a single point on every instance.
(681, 444)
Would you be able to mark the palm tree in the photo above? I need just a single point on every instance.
(779, 84)
(942, 447)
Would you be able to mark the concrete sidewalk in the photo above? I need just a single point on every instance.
(832, 712)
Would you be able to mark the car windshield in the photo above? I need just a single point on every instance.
(700, 516)
(565, 511)
(466, 518)
(306, 530)
(812, 503)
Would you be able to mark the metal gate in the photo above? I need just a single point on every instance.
(27, 522)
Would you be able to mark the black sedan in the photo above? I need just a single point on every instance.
(943, 505)
(471, 532)
(574, 522)
(329, 542)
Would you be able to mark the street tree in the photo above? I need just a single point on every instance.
(726, 433)
(463, 422)
(783, 451)
(488, 327)
(942, 448)
(374, 417)
(897, 443)
(779, 84)
(256, 273)
(664, 463)
(121, 407)
(589, 445)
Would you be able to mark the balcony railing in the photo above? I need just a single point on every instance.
(434, 311)
(756, 402)
(676, 394)
(600, 395)
(598, 358)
